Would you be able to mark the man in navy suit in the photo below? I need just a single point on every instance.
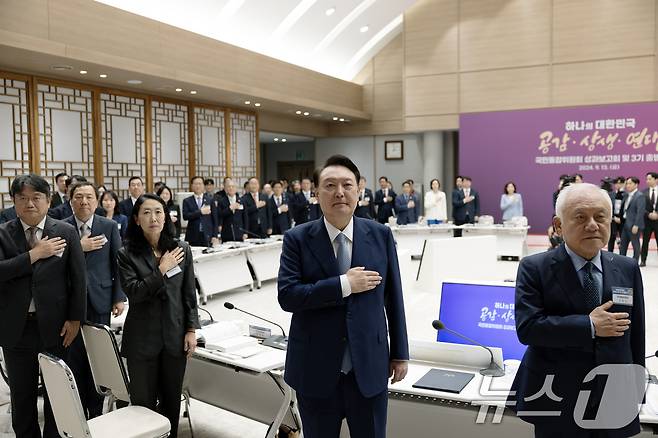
(407, 206)
(100, 241)
(578, 307)
(201, 215)
(136, 189)
(231, 212)
(365, 206)
(63, 209)
(255, 208)
(384, 200)
(305, 204)
(465, 204)
(339, 277)
(633, 208)
(279, 210)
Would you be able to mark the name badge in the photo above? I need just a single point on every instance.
(104, 240)
(622, 295)
(173, 271)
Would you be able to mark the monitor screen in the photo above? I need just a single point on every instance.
(482, 312)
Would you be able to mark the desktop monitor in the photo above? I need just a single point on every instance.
(483, 312)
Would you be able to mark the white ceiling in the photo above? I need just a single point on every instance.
(295, 31)
(268, 137)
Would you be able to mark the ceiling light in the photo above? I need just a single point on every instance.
(329, 12)
(364, 29)
(341, 119)
(61, 67)
(335, 118)
(276, 138)
(83, 72)
(298, 112)
(306, 113)
(178, 90)
(102, 75)
(192, 91)
(247, 102)
(257, 104)
(134, 81)
(284, 140)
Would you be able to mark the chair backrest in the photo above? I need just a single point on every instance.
(64, 397)
(105, 361)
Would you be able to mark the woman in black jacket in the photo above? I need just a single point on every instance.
(174, 209)
(159, 333)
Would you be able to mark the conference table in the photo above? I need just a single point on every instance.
(511, 241)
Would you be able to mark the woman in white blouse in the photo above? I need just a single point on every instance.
(435, 204)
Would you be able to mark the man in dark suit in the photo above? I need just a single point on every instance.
(231, 211)
(43, 298)
(305, 204)
(339, 277)
(384, 200)
(617, 199)
(465, 204)
(64, 210)
(7, 214)
(634, 208)
(255, 208)
(60, 195)
(407, 206)
(136, 189)
(650, 214)
(365, 207)
(201, 215)
(100, 241)
(279, 210)
(578, 307)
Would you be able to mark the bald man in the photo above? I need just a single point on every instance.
(578, 307)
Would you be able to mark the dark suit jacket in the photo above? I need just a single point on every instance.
(200, 228)
(552, 319)
(7, 214)
(257, 219)
(58, 284)
(177, 228)
(61, 212)
(56, 199)
(649, 208)
(233, 222)
(279, 222)
(161, 309)
(461, 210)
(126, 207)
(322, 320)
(405, 214)
(635, 211)
(366, 211)
(103, 286)
(384, 209)
(122, 224)
(304, 211)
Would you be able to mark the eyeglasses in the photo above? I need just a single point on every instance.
(36, 199)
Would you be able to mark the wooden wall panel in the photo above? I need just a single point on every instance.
(25, 16)
(388, 102)
(431, 95)
(504, 33)
(601, 82)
(603, 29)
(494, 90)
(431, 37)
(431, 123)
(388, 63)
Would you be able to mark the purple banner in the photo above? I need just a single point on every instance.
(533, 148)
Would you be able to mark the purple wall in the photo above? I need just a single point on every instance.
(534, 147)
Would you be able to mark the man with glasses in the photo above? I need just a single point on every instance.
(43, 300)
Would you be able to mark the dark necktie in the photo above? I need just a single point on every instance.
(653, 199)
(32, 237)
(591, 287)
(344, 259)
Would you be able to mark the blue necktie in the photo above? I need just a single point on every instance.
(343, 257)
(591, 287)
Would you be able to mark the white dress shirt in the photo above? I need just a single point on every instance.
(349, 233)
(39, 236)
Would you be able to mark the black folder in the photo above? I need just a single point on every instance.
(444, 380)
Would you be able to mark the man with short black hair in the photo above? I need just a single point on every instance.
(59, 196)
(465, 204)
(384, 200)
(200, 212)
(43, 298)
(617, 199)
(366, 206)
(305, 204)
(255, 210)
(634, 207)
(64, 210)
(650, 214)
(339, 276)
(136, 189)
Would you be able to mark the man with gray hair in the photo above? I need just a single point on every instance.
(577, 308)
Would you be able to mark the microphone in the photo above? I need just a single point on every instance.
(655, 354)
(493, 369)
(257, 236)
(277, 341)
